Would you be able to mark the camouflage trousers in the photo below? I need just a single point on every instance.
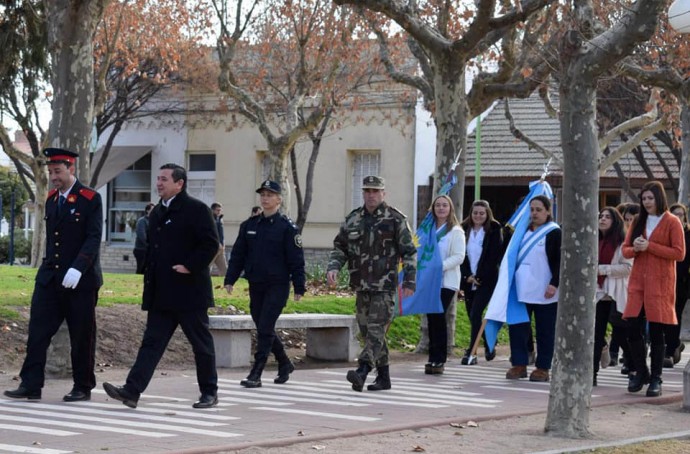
(374, 316)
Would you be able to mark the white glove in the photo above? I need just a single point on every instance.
(71, 278)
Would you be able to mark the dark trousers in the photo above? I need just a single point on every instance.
(160, 326)
(636, 340)
(50, 306)
(140, 256)
(475, 311)
(545, 325)
(438, 329)
(266, 302)
(618, 334)
(673, 331)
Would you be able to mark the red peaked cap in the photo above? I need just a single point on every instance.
(57, 155)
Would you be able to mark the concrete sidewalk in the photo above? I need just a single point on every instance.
(317, 407)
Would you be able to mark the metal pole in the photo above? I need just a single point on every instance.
(11, 251)
(478, 159)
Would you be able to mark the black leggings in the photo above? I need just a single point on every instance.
(438, 330)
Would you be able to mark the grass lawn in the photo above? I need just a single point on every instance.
(17, 287)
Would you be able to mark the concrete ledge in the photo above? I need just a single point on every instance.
(330, 337)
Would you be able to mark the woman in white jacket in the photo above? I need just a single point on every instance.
(451, 243)
(612, 283)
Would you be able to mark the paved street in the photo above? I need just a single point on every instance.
(314, 403)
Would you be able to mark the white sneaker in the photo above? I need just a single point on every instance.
(605, 357)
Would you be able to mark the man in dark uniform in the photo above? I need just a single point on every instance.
(269, 250)
(67, 282)
(177, 288)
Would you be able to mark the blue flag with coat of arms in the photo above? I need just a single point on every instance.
(427, 296)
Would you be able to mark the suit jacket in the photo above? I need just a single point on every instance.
(489, 261)
(73, 238)
(182, 234)
(652, 282)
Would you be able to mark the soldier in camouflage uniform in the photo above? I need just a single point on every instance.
(372, 241)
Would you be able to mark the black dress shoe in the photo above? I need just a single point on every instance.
(206, 401)
(77, 395)
(121, 394)
(23, 393)
(251, 383)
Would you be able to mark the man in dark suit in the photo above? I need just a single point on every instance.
(67, 282)
(177, 288)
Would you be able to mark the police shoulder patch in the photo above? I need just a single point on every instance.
(298, 240)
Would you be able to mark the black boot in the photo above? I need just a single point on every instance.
(654, 389)
(383, 380)
(638, 357)
(284, 371)
(253, 380)
(359, 376)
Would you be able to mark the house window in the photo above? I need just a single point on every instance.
(363, 164)
(201, 175)
(129, 193)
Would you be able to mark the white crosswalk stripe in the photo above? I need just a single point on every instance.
(318, 413)
(38, 430)
(30, 450)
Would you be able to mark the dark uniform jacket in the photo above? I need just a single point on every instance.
(489, 261)
(269, 250)
(182, 234)
(73, 238)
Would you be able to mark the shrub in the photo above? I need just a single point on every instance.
(22, 249)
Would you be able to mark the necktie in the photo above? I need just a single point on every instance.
(61, 202)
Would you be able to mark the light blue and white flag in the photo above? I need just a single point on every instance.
(504, 306)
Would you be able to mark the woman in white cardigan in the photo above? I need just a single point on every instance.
(451, 243)
(612, 282)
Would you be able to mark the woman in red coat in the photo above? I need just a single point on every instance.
(656, 242)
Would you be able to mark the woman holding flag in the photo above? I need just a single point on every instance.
(451, 245)
(536, 278)
(480, 269)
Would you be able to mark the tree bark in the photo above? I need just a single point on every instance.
(71, 25)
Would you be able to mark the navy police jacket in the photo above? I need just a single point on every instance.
(182, 234)
(269, 250)
(73, 238)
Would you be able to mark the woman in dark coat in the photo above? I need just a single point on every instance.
(479, 271)
(674, 347)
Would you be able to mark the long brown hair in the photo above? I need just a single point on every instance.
(452, 220)
(640, 222)
(616, 234)
(467, 222)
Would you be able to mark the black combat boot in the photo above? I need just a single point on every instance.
(657, 356)
(253, 380)
(284, 370)
(383, 380)
(359, 376)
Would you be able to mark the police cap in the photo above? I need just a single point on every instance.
(269, 186)
(58, 155)
(373, 182)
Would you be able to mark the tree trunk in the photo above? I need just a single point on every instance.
(38, 241)
(571, 387)
(684, 177)
(72, 75)
(451, 117)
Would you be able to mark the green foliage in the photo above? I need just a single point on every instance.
(316, 277)
(22, 248)
(16, 287)
(8, 181)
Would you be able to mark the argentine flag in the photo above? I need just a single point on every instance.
(504, 306)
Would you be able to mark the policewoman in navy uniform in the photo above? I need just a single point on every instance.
(269, 251)
(67, 281)
(183, 241)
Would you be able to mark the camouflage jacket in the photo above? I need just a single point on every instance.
(372, 245)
